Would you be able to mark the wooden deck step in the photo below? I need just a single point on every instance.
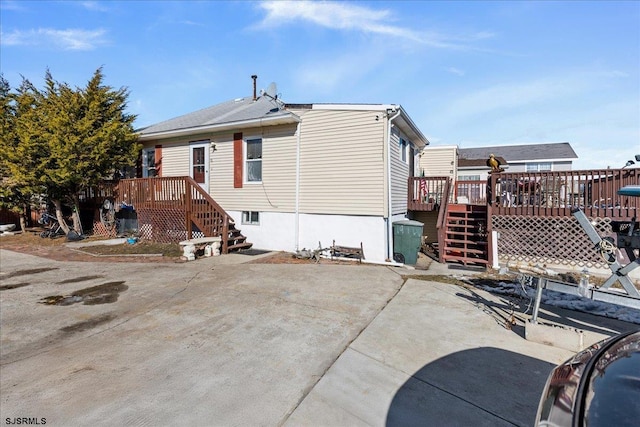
(465, 260)
(238, 246)
(462, 242)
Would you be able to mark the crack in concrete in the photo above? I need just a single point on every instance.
(309, 389)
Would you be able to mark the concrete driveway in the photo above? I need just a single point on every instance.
(216, 342)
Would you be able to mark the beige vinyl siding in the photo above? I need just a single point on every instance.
(439, 161)
(276, 192)
(399, 175)
(175, 153)
(175, 159)
(342, 162)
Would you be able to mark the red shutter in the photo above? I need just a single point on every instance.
(158, 157)
(237, 160)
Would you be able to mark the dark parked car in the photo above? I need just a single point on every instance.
(599, 386)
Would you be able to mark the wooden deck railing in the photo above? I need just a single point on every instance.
(425, 193)
(471, 192)
(558, 193)
(94, 196)
(177, 193)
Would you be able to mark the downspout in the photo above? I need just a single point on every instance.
(297, 215)
(389, 210)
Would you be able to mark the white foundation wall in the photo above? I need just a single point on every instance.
(276, 231)
(346, 230)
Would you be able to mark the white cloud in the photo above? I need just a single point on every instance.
(11, 5)
(325, 75)
(346, 16)
(69, 39)
(508, 96)
(192, 23)
(94, 5)
(456, 71)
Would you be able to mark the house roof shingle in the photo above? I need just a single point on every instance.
(514, 153)
(233, 111)
(262, 111)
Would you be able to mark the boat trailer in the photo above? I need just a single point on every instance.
(628, 239)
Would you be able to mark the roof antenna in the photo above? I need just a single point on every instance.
(255, 95)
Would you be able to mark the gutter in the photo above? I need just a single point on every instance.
(389, 237)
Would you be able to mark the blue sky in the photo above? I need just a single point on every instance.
(468, 73)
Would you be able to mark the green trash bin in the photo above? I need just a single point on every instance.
(407, 239)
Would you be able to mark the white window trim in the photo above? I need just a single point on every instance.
(403, 146)
(249, 222)
(245, 160)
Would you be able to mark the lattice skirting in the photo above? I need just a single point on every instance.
(549, 240)
(99, 229)
(164, 225)
(157, 225)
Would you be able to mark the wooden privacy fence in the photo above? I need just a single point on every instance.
(168, 208)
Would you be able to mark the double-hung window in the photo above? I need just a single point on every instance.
(253, 159)
(404, 147)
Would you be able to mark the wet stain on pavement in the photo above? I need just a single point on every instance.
(88, 324)
(30, 271)
(79, 279)
(106, 293)
(14, 286)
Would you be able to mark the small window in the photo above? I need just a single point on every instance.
(404, 145)
(254, 160)
(250, 217)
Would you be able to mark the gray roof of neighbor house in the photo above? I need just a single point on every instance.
(475, 163)
(263, 111)
(515, 153)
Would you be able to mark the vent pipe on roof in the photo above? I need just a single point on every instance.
(255, 94)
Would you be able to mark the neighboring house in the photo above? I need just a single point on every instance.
(439, 161)
(520, 158)
(294, 176)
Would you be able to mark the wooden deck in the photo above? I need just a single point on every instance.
(526, 201)
(535, 194)
(173, 206)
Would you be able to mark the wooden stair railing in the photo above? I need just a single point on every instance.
(442, 214)
(462, 231)
(184, 194)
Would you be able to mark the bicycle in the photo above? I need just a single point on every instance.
(55, 229)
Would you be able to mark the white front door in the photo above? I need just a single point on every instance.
(199, 163)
